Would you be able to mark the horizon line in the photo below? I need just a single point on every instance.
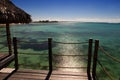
(102, 20)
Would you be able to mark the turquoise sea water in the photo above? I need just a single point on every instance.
(107, 33)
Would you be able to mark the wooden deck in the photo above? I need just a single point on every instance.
(28, 74)
(3, 55)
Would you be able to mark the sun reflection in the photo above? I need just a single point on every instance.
(69, 61)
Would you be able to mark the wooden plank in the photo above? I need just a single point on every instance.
(28, 74)
(62, 75)
(6, 61)
(3, 55)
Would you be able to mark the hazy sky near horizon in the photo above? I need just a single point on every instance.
(78, 10)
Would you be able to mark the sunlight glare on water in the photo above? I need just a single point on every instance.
(69, 61)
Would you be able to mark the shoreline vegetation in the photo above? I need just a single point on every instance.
(56, 21)
(48, 21)
(45, 21)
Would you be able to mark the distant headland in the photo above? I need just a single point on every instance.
(45, 21)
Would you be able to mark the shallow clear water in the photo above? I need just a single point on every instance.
(107, 33)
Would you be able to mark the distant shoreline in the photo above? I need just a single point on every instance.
(48, 22)
(45, 21)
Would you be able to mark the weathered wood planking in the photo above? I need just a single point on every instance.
(26, 74)
(3, 55)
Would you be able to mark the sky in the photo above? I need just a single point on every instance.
(72, 10)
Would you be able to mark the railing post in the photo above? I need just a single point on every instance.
(15, 53)
(89, 59)
(95, 59)
(50, 53)
(8, 38)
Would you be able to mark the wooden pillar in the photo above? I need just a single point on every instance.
(89, 58)
(15, 53)
(8, 38)
(50, 53)
(95, 59)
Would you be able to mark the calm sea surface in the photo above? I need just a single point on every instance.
(69, 32)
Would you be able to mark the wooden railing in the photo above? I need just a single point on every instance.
(5, 61)
(103, 67)
(98, 62)
(50, 54)
(92, 56)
